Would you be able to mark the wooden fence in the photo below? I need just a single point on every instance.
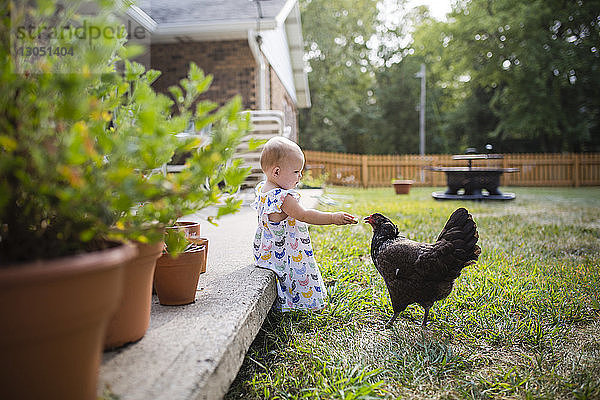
(572, 169)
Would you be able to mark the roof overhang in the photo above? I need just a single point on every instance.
(293, 30)
(142, 18)
(170, 33)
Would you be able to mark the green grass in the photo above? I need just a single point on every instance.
(522, 323)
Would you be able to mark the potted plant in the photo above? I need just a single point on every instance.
(402, 186)
(69, 182)
(180, 266)
(164, 198)
(60, 270)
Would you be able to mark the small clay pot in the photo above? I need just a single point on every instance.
(191, 229)
(131, 320)
(402, 186)
(176, 278)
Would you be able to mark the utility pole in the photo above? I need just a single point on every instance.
(421, 74)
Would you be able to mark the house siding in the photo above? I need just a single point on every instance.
(281, 100)
(230, 63)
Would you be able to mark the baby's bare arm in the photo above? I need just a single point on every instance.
(294, 209)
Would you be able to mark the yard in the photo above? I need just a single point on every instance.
(524, 322)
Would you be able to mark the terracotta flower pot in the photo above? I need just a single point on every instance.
(131, 320)
(54, 315)
(402, 186)
(191, 229)
(176, 278)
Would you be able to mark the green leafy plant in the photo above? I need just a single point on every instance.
(312, 180)
(83, 140)
(209, 177)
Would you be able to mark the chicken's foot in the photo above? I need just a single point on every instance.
(391, 321)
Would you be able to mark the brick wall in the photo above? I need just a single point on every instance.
(230, 62)
(234, 71)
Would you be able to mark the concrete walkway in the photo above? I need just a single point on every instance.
(195, 351)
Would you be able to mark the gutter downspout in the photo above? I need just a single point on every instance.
(255, 48)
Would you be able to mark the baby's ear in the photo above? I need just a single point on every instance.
(276, 171)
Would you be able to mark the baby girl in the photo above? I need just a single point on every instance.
(282, 243)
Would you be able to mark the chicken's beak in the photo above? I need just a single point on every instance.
(367, 220)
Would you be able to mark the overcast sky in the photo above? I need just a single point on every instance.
(392, 15)
(439, 8)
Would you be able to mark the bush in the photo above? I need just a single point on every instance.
(81, 143)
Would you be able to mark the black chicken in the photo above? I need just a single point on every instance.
(422, 272)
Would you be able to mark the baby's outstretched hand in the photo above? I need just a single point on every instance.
(343, 218)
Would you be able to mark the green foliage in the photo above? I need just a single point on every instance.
(398, 96)
(340, 80)
(81, 145)
(312, 180)
(521, 323)
(534, 65)
(175, 241)
(523, 76)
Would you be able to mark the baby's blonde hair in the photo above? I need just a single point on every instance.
(275, 150)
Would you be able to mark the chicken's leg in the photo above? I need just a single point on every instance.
(424, 324)
(391, 321)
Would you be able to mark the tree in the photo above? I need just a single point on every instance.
(341, 77)
(523, 75)
(398, 96)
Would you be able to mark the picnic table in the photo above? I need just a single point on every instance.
(472, 182)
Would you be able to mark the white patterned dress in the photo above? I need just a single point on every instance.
(285, 248)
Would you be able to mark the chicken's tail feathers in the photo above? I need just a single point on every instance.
(461, 231)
